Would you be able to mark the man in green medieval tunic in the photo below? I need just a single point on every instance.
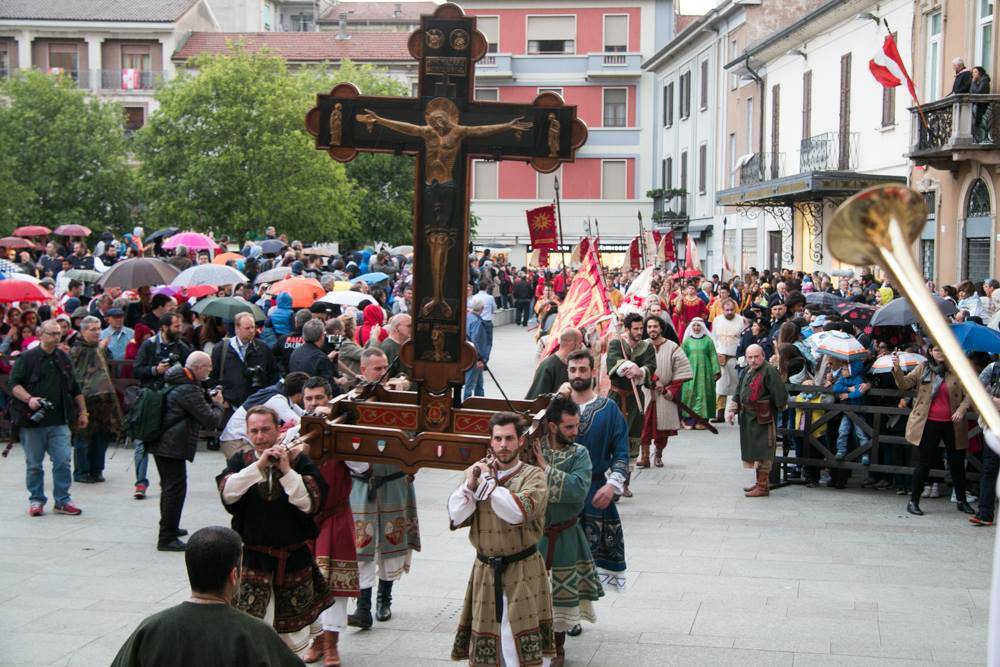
(761, 394)
(631, 366)
(507, 615)
(567, 467)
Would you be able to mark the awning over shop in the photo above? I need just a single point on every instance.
(800, 188)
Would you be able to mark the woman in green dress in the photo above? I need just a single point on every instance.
(699, 392)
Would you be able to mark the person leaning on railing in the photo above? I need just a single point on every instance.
(938, 415)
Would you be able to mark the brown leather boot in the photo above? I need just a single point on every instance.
(748, 489)
(763, 486)
(560, 658)
(331, 657)
(658, 457)
(643, 461)
(315, 652)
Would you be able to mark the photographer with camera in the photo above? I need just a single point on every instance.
(48, 401)
(243, 364)
(310, 358)
(284, 397)
(187, 410)
(155, 357)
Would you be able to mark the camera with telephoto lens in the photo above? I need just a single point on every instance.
(257, 375)
(334, 341)
(172, 359)
(43, 409)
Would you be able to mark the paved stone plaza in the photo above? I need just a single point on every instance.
(806, 577)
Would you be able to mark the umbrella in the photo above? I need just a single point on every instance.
(840, 345)
(858, 314)
(192, 241)
(209, 274)
(225, 257)
(8, 266)
(138, 272)
(371, 278)
(341, 285)
(899, 312)
(273, 275)
(193, 292)
(15, 242)
(164, 233)
(303, 290)
(32, 230)
(401, 250)
(22, 290)
(72, 230)
(271, 246)
(347, 298)
(318, 252)
(27, 277)
(227, 308)
(977, 338)
(687, 273)
(907, 361)
(823, 299)
(83, 275)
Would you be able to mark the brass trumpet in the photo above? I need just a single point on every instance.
(878, 226)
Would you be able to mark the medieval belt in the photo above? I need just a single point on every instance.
(499, 564)
(375, 482)
(281, 554)
(552, 533)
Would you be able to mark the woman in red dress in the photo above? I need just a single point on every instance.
(687, 307)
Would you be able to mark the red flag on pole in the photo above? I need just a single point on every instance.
(634, 255)
(888, 69)
(542, 227)
(667, 250)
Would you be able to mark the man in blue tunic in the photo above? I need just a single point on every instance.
(604, 433)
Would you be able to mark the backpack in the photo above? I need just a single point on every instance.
(145, 418)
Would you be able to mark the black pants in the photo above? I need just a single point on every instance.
(173, 489)
(522, 311)
(934, 434)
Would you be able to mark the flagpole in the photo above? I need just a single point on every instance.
(642, 243)
(920, 110)
(562, 247)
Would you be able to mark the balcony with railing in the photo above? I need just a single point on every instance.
(614, 64)
(495, 66)
(131, 80)
(82, 76)
(957, 128)
(761, 167)
(830, 151)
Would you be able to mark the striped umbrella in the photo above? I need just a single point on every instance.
(907, 361)
(840, 345)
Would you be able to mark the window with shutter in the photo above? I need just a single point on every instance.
(807, 96)
(488, 94)
(668, 173)
(615, 104)
(547, 185)
(551, 34)
(614, 179)
(702, 168)
(684, 181)
(889, 104)
(484, 179)
(615, 33)
(490, 27)
(668, 105)
(775, 128)
(685, 102)
(703, 102)
(843, 149)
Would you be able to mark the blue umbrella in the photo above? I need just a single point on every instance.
(372, 278)
(977, 338)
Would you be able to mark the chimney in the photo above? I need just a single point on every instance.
(342, 25)
(398, 12)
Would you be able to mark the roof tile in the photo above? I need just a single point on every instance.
(302, 46)
(156, 11)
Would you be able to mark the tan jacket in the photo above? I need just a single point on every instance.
(922, 404)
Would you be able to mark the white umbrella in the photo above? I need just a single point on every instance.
(209, 274)
(273, 276)
(347, 298)
(401, 250)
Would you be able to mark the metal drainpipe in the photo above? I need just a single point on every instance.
(760, 87)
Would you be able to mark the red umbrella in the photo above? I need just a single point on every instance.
(72, 230)
(22, 290)
(687, 273)
(32, 230)
(15, 242)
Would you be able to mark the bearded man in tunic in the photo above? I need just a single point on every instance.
(273, 501)
(699, 393)
(760, 395)
(551, 371)
(568, 471)
(507, 615)
(662, 419)
(727, 331)
(631, 365)
(386, 530)
(604, 433)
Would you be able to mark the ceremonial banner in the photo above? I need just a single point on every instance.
(586, 302)
(691, 259)
(542, 227)
(580, 251)
(651, 246)
(665, 250)
(634, 255)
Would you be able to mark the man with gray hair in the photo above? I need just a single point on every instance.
(243, 364)
(400, 328)
(475, 332)
(963, 77)
(309, 357)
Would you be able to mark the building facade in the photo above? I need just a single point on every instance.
(267, 15)
(120, 55)
(589, 52)
(955, 142)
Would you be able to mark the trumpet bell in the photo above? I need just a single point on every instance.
(861, 224)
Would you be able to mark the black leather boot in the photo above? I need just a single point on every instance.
(383, 604)
(362, 616)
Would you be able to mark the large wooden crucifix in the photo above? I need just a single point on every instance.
(444, 128)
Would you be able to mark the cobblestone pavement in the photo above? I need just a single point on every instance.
(805, 577)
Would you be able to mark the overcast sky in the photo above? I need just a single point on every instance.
(695, 6)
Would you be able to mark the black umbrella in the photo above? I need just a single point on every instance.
(271, 246)
(164, 233)
(138, 272)
(900, 313)
(823, 299)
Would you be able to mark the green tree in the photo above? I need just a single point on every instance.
(228, 151)
(63, 156)
(386, 181)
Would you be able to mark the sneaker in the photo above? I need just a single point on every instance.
(969, 498)
(36, 509)
(841, 455)
(140, 491)
(902, 491)
(883, 484)
(865, 460)
(935, 490)
(926, 492)
(67, 508)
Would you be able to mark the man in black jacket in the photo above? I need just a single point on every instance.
(187, 411)
(288, 343)
(242, 364)
(963, 77)
(155, 357)
(523, 293)
(309, 358)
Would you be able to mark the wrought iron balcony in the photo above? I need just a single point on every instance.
(762, 167)
(830, 151)
(131, 80)
(956, 128)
